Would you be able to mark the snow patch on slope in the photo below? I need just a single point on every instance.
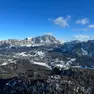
(3, 64)
(84, 52)
(42, 64)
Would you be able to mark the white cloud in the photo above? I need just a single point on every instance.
(62, 41)
(83, 21)
(61, 21)
(81, 37)
(82, 29)
(91, 26)
(49, 33)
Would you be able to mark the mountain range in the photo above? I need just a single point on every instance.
(45, 52)
(37, 41)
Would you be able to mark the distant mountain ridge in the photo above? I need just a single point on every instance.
(81, 48)
(44, 52)
(37, 41)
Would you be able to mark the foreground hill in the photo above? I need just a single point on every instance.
(70, 81)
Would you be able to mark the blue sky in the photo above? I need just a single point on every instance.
(64, 19)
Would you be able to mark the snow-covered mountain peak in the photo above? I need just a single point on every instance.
(36, 41)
